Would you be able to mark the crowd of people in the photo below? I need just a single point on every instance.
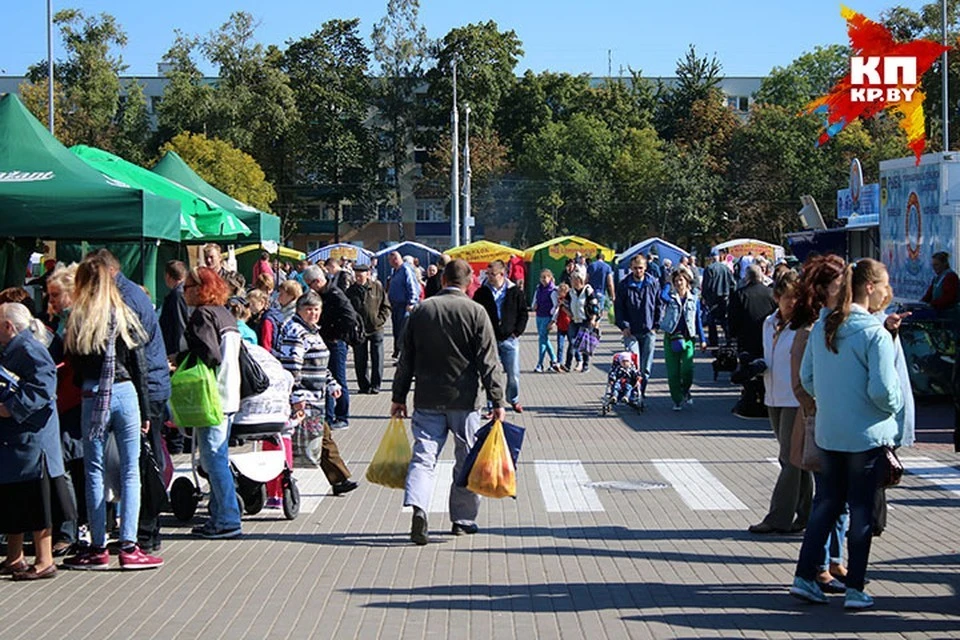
(92, 372)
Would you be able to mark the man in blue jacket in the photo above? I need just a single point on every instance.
(403, 293)
(158, 379)
(637, 309)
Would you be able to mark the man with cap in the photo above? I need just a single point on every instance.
(370, 302)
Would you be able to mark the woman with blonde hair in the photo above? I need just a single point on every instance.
(105, 343)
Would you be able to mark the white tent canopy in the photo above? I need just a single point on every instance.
(739, 247)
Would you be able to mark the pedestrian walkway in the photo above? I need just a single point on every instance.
(625, 526)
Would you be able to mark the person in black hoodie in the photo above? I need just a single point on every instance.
(504, 303)
(749, 307)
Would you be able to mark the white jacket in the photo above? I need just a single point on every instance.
(776, 353)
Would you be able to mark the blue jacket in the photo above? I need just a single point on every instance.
(32, 433)
(158, 372)
(857, 390)
(688, 312)
(638, 305)
(404, 288)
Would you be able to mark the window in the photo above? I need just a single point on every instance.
(155, 103)
(388, 212)
(744, 103)
(431, 211)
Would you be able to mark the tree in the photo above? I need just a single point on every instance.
(187, 100)
(399, 47)
(225, 167)
(810, 76)
(638, 169)
(133, 126)
(698, 79)
(687, 196)
(336, 152)
(486, 59)
(35, 98)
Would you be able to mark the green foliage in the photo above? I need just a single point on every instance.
(225, 167)
(133, 126)
(807, 78)
(187, 101)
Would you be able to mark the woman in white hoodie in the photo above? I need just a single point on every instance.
(793, 493)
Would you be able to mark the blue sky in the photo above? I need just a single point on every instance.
(749, 37)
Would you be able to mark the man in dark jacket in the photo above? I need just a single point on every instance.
(504, 303)
(158, 379)
(370, 302)
(174, 313)
(337, 321)
(450, 348)
(637, 310)
(749, 307)
(718, 284)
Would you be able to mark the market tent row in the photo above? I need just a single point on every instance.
(248, 255)
(482, 252)
(264, 227)
(46, 192)
(553, 255)
(357, 255)
(741, 246)
(200, 218)
(424, 254)
(665, 250)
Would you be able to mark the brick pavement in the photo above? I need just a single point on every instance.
(563, 560)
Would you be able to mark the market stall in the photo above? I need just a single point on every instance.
(665, 250)
(482, 252)
(357, 255)
(741, 246)
(424, 255)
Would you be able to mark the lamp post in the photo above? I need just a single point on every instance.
(50, 65)
(455, 168)
(946, 88)
(467, 219)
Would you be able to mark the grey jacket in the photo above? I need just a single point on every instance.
(449, 347)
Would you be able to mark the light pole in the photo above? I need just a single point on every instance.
(455, 168)
(50, 64)
(946, 88)
(467, 220)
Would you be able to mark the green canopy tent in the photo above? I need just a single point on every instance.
(46, 192)
(265, 227)
(200, 218)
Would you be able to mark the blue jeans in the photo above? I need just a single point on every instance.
(213, 446)
(510, 358)
(338, 408)
(561, 345)
(643, 345)
(846, 478)
(430, 430)
(398, 315)
(543, 341)
(124, 423)
(833, 549)
(572, 352)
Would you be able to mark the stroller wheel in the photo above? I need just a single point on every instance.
(254, 501)
(291, 498)
(183, 499)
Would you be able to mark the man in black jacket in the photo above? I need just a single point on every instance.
(749, 307)
(174, 314)
(504, 303)
(370, 302)
(337, 321)
(718, 283)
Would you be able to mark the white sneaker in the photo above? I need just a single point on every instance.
(677, 407)
(538, 369)
(689, 400)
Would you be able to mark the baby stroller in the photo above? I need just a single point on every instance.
(623, 383)
(262, 417)
(724, 359)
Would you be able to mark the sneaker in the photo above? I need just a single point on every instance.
(688, 399)
(221, 534)
(274, 503)
(136, 559)
(339, 425)
(857, 600)
(90, 560)
(677, 407)
(808, 591)
(538, 369)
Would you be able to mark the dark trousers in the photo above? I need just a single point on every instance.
(338, 408)
(717, 316)
(572, 352)
(148, 528)
(67, 530)
(847, 478)
(369, 351)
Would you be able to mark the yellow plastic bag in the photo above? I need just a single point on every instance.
(493, 474)
(392, 459)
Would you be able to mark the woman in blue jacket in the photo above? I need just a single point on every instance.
(848, 367)
(682, 324)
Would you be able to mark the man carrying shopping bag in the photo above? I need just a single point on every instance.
(449, 347)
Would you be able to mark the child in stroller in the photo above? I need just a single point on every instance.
(623, 383)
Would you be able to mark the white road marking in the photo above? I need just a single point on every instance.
(562, 483)
(944, 476)
(698, 488)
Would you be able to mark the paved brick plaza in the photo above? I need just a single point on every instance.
(563, 560)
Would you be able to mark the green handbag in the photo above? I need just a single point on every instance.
(195, 395)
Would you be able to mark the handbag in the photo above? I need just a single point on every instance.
(587, 340)
(677, 344)
(253, 380)
(153, 491)
(891, 469)
(195, 395)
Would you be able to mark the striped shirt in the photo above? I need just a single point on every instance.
(303, 353)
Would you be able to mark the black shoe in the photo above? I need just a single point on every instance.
(763, 528)
(363, 392)
(464, 529)
(418, 527)
(344, 487)
(374, 391)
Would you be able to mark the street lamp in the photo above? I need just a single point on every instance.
(467, 219)
(50, 64)
(455, 168)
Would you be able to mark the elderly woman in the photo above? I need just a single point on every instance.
(303, 353)
(584, 314)
(33, 490)
(212, 337)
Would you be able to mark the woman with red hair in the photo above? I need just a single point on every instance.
(212, 337)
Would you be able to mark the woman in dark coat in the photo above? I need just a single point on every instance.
(33, 488)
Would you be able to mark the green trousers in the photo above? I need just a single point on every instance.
(679, 368)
